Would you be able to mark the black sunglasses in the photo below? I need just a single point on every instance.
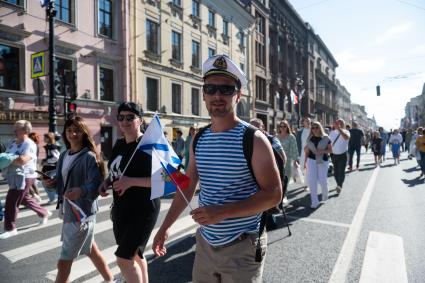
(127, 117)
(211, 89)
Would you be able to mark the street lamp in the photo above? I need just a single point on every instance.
(299, 89)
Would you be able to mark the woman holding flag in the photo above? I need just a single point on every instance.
(80, 170)
(133, 213)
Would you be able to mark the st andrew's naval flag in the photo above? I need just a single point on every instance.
(154, 139)
(165, 177)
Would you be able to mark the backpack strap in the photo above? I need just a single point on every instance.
(198, 136)
(248, 149)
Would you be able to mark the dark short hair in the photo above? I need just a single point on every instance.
(131, 107)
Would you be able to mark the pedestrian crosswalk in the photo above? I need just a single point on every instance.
(35, 241)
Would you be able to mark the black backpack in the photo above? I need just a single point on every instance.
(248, 148)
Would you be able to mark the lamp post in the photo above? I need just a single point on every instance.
(51, 13)
(299, 88)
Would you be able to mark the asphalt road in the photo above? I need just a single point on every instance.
(372, 232)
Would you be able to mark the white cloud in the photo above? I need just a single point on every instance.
(366, 65)
(393, 32)
(418, 50)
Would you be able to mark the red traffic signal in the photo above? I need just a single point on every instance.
(71, 107)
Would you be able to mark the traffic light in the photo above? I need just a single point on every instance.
(71, 107)
(378, 90)
(71, 84)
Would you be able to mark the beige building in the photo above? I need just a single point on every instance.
(169, 42)
(343, 102)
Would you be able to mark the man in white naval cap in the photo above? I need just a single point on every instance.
(231, 199)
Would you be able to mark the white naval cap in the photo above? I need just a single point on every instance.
(222, 65)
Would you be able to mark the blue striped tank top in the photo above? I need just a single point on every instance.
(225, 178)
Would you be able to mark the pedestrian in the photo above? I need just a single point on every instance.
(355, 145)
(408, 141)
(80, 170)
(420, 147)
(301, 137)
(188, 141)
(316, 162)
(178, 144)
(133, 213)
(289, 144)
(384, 137)
(231, 198)
(339, 138)
(367, 139)
(34, 190)
(396, 140)
(49, 163)
(376, 145)
(403, 135)
(20, 177)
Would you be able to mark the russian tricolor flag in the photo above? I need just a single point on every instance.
(165, 178)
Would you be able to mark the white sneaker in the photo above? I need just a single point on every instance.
(37, 197)
(44, 219)
(285, 200)
(314, 206)
(8, 234)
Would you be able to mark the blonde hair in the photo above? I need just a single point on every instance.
(316, 124)
(24, 124)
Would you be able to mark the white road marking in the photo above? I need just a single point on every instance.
(35, 248)
(342, 265)
(326, 222)
(84, 266)
(384, 259)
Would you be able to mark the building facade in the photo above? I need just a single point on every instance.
(343, 102)
(359, 115)
(288, 64)
(325, 88)
(89, 50)
(169, 42)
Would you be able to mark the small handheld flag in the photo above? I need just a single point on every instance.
(166, 179)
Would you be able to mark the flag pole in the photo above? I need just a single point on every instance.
(174, 182)
(178, 188)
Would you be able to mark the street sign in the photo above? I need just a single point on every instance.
(37, 65)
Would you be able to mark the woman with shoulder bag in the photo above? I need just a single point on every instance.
(317, 153)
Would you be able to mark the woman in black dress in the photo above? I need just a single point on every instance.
(133, 213)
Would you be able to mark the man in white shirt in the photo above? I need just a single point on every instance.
(339, 138)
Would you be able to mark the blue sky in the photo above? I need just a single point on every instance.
(374, 42)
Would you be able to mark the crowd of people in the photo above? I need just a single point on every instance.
(234, 190)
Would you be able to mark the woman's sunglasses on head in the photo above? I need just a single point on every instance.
(127, 117)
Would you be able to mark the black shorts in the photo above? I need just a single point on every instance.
(133, 226)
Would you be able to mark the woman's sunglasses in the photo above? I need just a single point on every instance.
(314, 128)
(127, 117)
(211, 89)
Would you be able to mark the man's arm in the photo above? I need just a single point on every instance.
(269, 194)
(344, 134)
(177, 206)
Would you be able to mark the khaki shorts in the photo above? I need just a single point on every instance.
(235, 262)
(76, 239)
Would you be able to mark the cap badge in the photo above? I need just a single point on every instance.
(220, 63)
